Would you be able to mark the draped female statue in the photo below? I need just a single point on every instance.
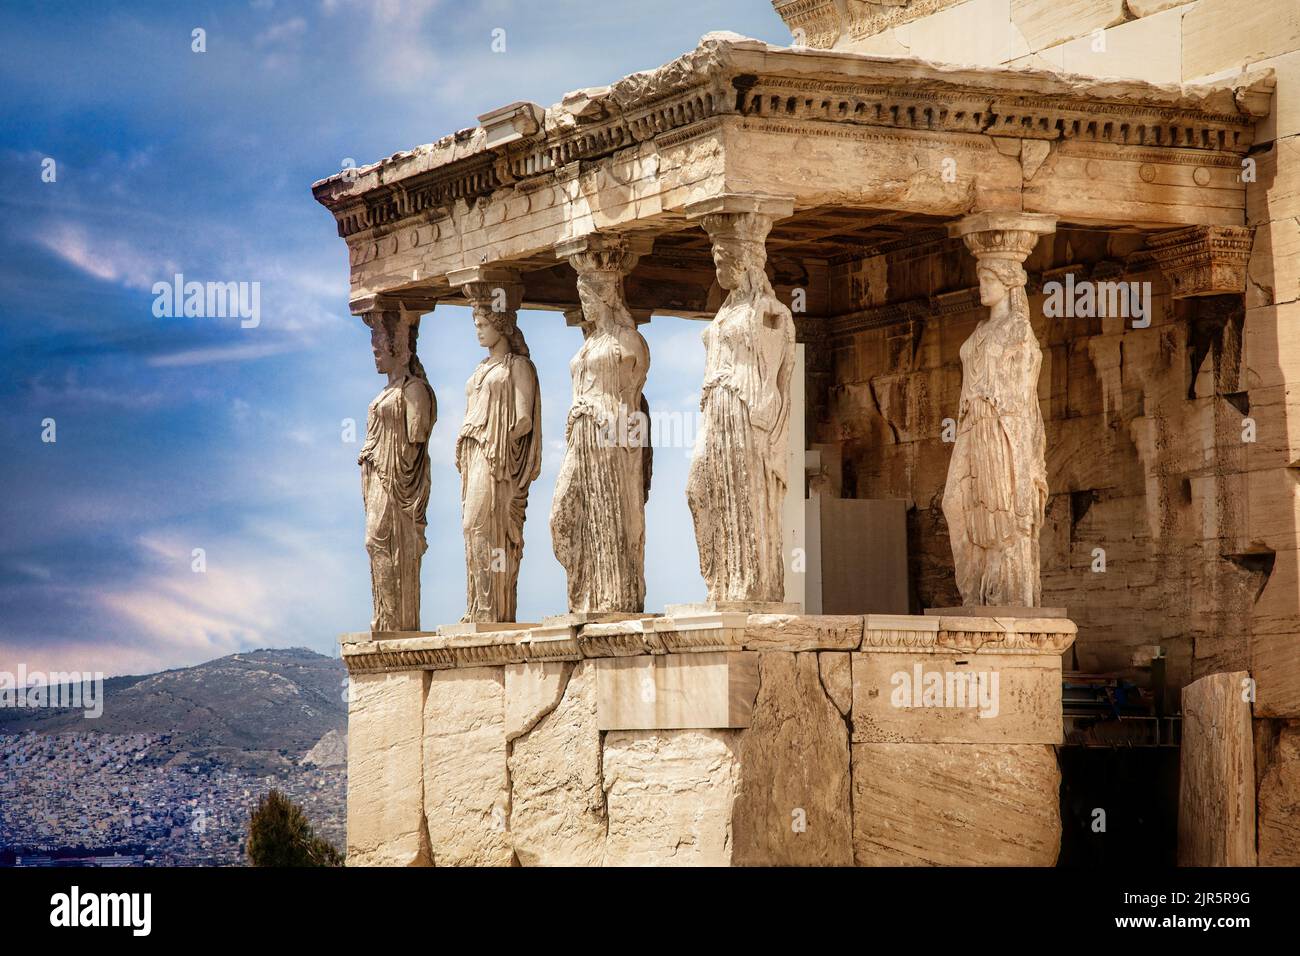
(996, 491)
(395, 472)
(598, 515)
(498, 454)
(737, 481)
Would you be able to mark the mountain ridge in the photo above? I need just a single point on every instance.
(261, 710)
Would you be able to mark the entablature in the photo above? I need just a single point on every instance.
(736, 115)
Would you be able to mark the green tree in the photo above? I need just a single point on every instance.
(279, 835)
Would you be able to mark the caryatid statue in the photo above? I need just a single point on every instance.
(996, 492)
(499, 448)
(737, 481)
(598, 514)
(395, 469)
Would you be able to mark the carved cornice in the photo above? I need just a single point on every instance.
(930, 634)
(819, 23)
(1200, 260)
(812, 91)
(702, 632)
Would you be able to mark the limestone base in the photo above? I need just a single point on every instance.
(709, 739)
(995, 610)
(579, 618)
(481, 627)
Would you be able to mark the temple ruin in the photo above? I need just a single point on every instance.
(1020, 526)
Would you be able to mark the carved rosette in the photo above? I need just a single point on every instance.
(1202, 260)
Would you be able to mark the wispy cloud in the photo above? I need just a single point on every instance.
(227, 353)
(70, 391)
(281, 32)
(108, 259)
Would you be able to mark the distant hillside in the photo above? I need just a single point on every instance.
(260, 710)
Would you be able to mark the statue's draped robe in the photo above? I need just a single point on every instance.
(395, 488)
(495, 472)
(598, 515)
(737, 481)
(996, 492)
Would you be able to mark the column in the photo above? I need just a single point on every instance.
(395, 461)
(499, 446)
(598, 514)
(996, 492)
(738, 477)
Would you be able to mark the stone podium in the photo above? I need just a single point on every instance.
(714, 740)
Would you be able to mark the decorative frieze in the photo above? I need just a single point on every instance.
(820, 23)
(887, 632)
(1201, 260)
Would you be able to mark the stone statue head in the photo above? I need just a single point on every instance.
(495, 303)
(390, 347)
(488, 327)
(392, 341)
(493, 326)
(998, 279)
(739, 250)
(601, 293)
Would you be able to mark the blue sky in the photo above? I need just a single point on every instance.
(183, 433)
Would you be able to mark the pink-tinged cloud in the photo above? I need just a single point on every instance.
(108, 259)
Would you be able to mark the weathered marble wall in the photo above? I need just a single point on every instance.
(1144, 445)
(1201, 530)
(760, 746)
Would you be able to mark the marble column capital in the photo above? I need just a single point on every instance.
(773, 207)
(405, 308)
(1002, 235)
(603, 252)
(743, 216)
(495, 287)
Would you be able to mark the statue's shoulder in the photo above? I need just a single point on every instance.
(522, 371)
(775, 306)
(419, 393)
(631, 339)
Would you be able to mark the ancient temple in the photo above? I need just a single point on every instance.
(1037, 317)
